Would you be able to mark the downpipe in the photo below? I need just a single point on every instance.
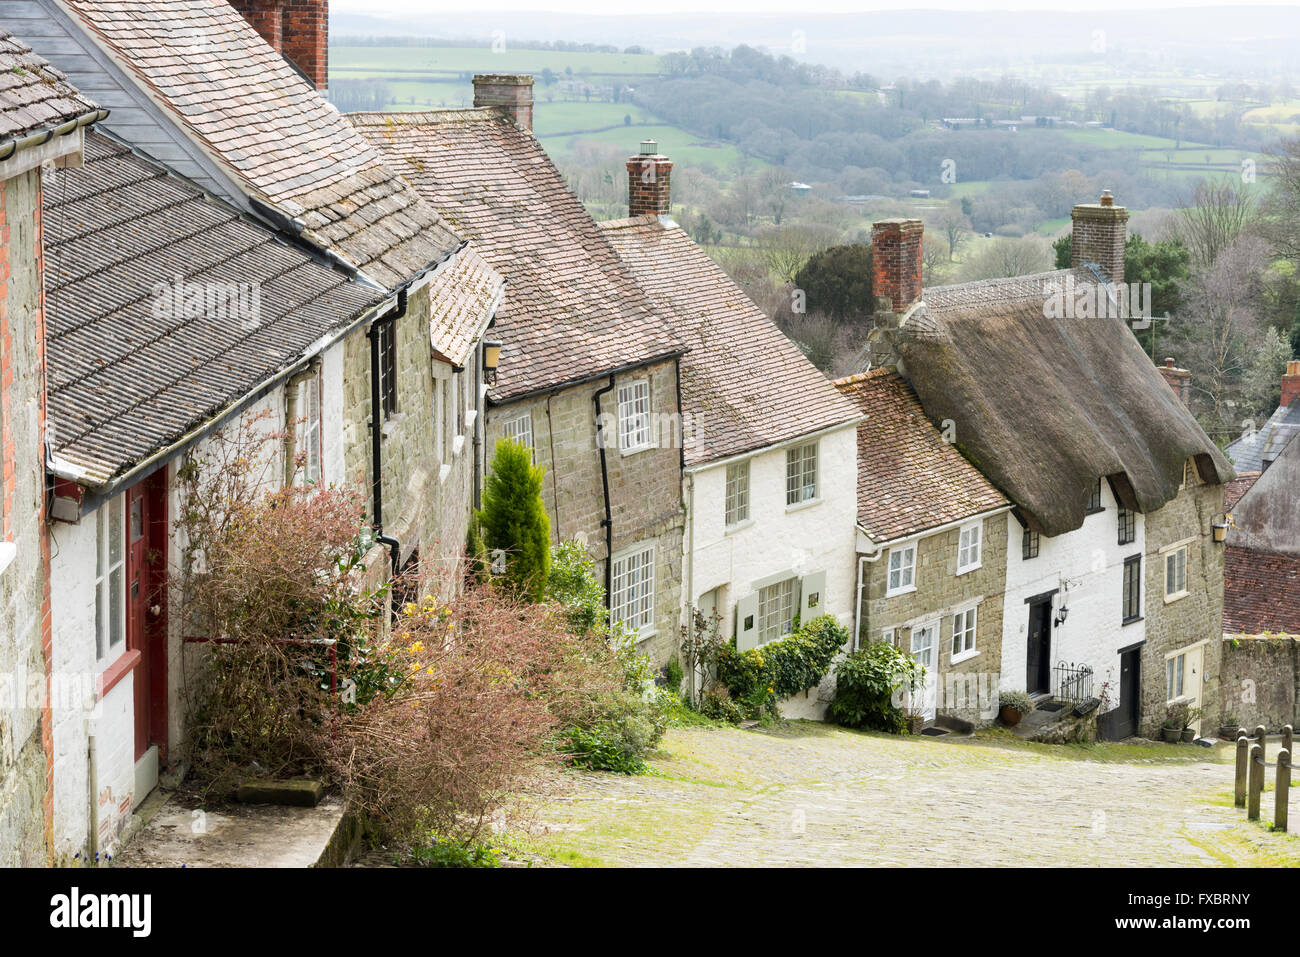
(377, 437)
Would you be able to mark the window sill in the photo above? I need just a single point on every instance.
(900, 591)
(809, 503)
(738, 527)
(8, 552)
(457, 445)
(964, 656)
(1094, 511)
(390, 424)
(470, 416)
(115, 672)
(635, 450)
(443, 471)
(970, 568)
(1176, 596)
(1130, 621)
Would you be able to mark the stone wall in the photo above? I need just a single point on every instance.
(1258, 681)
(940, 592)
(25, 799)
(645, 487)
(1188, 621)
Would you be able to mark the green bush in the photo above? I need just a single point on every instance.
(628, 727)
(514, 521)
(865, 682)
(445, 852)
(572, 583)
(760, 677)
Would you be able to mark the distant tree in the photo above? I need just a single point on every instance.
(837, 283)
(787, 248)
(955, 228)
(1164, 264)
(1295, 334)
(514, 523)
(627, 119)
(1003, 258)
(1218, 214)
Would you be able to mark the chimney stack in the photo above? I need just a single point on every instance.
(1180, 380)
(896, 263)
(1291, 383)
(512, 92)
(1100, 231)
(649, 181)
(298, 30)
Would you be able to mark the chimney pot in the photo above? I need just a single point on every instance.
(512, 92)
(649, 147)
(1106, 198)
(1169, 362)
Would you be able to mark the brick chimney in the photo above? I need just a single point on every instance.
(649, 181)
(1100, 230)
(296, 29)
(896, 263)
(513, 92)
(1291, 383)
(1180, 380)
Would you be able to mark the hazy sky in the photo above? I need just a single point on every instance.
(384, 7)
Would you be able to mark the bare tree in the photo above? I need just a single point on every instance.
(1003, 258)
(787, 248)
(936, 254)
(1218, 214)
(955, 228)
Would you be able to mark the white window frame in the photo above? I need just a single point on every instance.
(773, 622)
(632, 600)
(965, 624)
(1179, 554)
(307, 431)
(1175, 676)
(906, 570)
(735, 504)
(107, 648)
(520, 429)
(634, 433)
(970, 542)
(801, 461)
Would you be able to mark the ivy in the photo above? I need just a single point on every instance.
(760, 677)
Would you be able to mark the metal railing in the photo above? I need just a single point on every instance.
(1071, 682)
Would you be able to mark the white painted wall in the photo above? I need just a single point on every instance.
(1092, 560)
(333, 438)
(777, 540)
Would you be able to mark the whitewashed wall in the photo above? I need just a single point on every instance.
(1091, 558)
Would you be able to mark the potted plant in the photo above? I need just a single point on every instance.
(1175, 722)
(1228, 726)
(1193, 715)
(1013, 706)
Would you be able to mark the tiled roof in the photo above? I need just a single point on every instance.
(129, 373)
(744, 383)
(273, 132)
(1234, 490)
(1261, 592)
(33, 95)
(1255, 451)
(909, 478)
(1045, 406)
(463, 296)
(571, 311)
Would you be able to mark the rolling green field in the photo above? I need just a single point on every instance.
(685, 148)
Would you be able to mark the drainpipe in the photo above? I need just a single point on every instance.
(607, 522)
(690, 569)
(857, 607)
(377, 437)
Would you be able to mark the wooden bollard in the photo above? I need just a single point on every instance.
(1239, 782)
(1282, 793)
(1286, 737)
(1260, 735)
(1256, 782)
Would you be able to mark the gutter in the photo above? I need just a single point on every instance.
(15, 145)
(573, 383)
(775, 446)
(608, 521)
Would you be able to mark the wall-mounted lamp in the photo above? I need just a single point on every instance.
(491, 359)
(1062, 613)
(1220, 529)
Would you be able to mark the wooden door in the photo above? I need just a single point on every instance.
(1038, 652)
(146, 564)
(1130, 694)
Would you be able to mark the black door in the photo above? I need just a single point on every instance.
(1130, 684)
(1038, 655)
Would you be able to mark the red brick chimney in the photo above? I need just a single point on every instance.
(513, 92)
(896, 263)
(296, 29)
(1100, 231)
(649, 181)
(1180, 380)
(1291, 383)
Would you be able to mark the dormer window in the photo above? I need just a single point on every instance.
(1094, 502)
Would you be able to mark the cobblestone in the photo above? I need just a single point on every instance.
(810, 794)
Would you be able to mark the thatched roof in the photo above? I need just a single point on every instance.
(1045, 406)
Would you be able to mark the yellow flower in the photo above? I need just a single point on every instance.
(409, 608)
(416, 648)
(429, 670)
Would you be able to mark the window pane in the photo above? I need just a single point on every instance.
(115, 598)
(114, 531)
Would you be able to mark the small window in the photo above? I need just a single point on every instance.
(520, 429)
(1176, 573)
(634, 416)
(110, 593)
(1132, 589)
(902, 569)
(968, 548)
(776, 608)
(387, 333)
(1175, 669)
(305, 454)
(1029, 545)
(737, 505)
(1127, 526)
(632, 592)
(801, 474)
(889, 636)
(963, 634)
(1094, 502)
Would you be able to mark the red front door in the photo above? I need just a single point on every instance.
(146, 603)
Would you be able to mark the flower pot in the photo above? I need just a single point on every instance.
(1189, 735)
(1228, 732)
(915, 723)
(1010, 716)
(1171, 735)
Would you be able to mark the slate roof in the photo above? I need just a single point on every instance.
(129, 374)
(271, 130)
(571, 311)
(909, 478)
(33, 95)
(745, 384)
(1234, 490)
(1255, 452)
(1261, 592)
(1045, 406)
